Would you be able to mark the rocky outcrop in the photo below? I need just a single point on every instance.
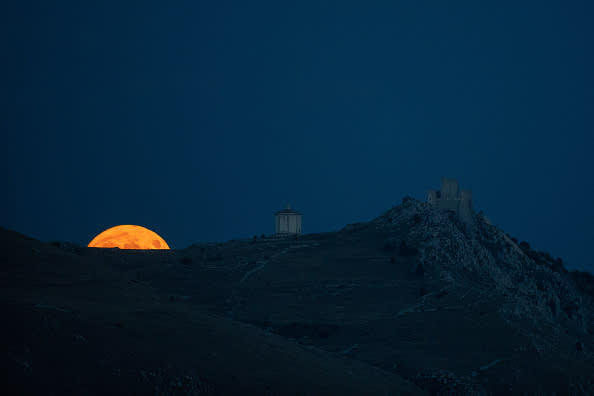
(535, 288)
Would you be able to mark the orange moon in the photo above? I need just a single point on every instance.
(129, 237)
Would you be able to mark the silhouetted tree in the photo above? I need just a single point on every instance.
(420, 270)
(558, 265)
(579, 346)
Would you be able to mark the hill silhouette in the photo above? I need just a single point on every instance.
(411, 302)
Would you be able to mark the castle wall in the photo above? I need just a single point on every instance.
(432, 197)
(466, 199)
(451, 198)
(449, 204)
(449, 188)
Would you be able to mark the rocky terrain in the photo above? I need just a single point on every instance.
(412, 302)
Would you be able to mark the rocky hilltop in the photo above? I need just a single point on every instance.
(415, 301)
(535, 288)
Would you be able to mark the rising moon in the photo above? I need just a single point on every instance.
(129, 237)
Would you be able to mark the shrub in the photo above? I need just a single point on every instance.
(420, 270)
(525, 246)
(571, 309)
(579, 346)
(584, 281)
(558, 265)
(406, 199)
(552, 306)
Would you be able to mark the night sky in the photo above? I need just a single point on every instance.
(199, 121)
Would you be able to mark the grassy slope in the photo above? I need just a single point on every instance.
(82, 322)
(323, 309)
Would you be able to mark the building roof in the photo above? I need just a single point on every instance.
(287, 210)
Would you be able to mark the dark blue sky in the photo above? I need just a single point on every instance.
(200, 120)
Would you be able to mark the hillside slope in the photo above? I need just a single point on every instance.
(411, 300)
(75, 322)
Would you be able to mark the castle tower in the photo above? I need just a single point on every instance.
(287, 222)
(450, 197)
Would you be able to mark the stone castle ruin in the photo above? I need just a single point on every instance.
(450, 197)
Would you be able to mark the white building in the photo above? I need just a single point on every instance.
(288, 222)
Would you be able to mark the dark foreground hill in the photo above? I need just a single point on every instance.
(411, 302)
